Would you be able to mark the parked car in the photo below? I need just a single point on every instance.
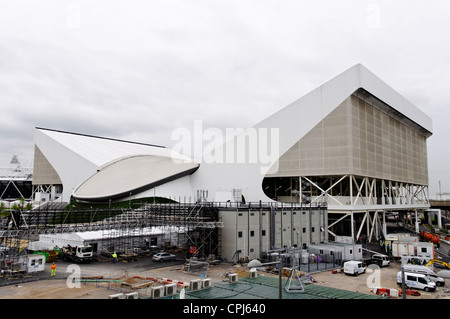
(163, 256)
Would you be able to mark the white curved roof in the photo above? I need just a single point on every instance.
(80, 159)
(132, 174)
(101, 150)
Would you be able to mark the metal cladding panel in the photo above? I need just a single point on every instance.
(43, 171)
(360, 139)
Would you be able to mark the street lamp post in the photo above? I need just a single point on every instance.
(256, 263)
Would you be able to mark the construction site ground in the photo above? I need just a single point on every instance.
(107, 278)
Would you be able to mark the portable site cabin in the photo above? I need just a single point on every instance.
(411, 246)
(343, 251)
(351, 251)
(391, 238)
(328, 253)
(30, 263)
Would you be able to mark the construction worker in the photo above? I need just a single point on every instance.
(114, 256)
(53, 270)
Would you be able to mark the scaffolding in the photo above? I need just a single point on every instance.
(193, 228)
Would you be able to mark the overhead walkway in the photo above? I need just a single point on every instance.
(440, 204)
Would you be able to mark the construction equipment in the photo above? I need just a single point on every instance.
(410, 292)
(388, 292)
(441, 263)
(434, 238)
(77, 254)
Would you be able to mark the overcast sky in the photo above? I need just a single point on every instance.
(137, 70)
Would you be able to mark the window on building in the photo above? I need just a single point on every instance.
(252, 233)
(239, 234)
(263, 232)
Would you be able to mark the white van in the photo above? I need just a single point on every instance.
(425, 271)
(416, 281)
(354, 267)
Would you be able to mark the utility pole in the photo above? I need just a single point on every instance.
(403, 284)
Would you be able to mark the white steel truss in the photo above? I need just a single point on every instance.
(368, 196)
(363, 192)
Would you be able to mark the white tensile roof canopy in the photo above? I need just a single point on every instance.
(93, 168)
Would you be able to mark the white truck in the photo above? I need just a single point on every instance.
(354, 267)
(77, 254)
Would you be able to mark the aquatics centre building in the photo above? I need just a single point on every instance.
(353, 143)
